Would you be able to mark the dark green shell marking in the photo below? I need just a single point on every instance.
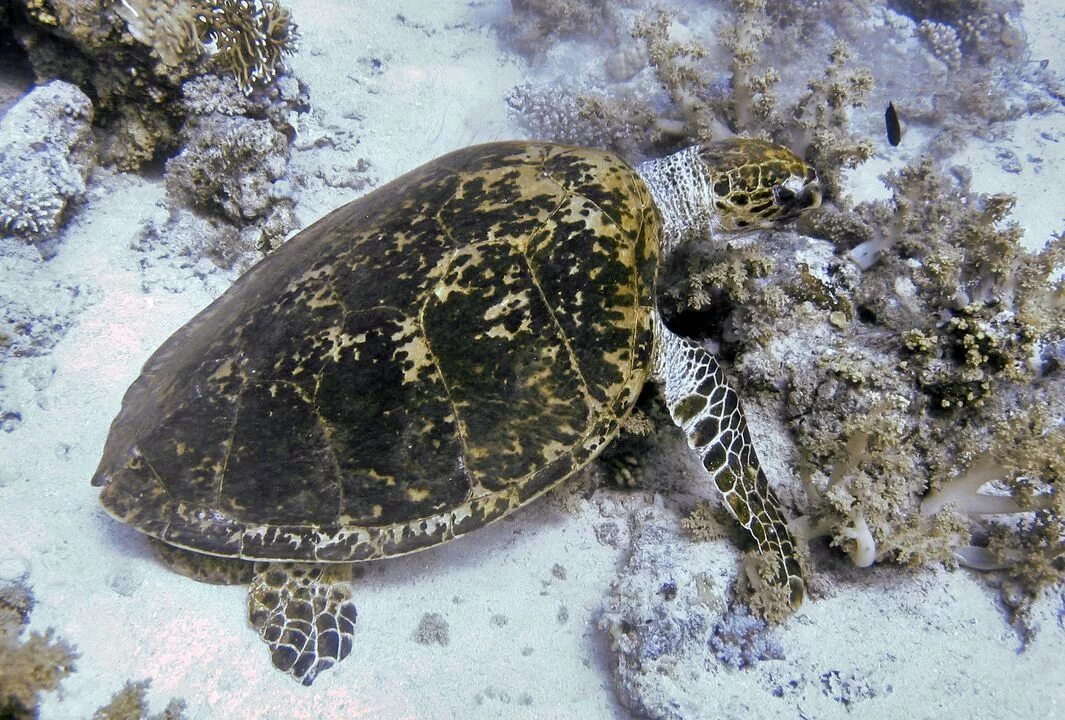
(418, 363)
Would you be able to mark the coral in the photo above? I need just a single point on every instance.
(818, 127)
(682, 96)
(432, 630)
(130, 703)
(248, 38)
(132, 57)
(721, 292)
(988, 29)
(251, 37)
(943, 41)
(46, 153)
(588, 119)
(29, 666)
(680, 69)
(536, 24)
(233, 165)
(927, 415)
(170, 29)
(739, 640)
(228, 166)
(80, 42)
(752, 101)
(702, 522)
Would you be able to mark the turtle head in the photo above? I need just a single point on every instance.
(757, 184)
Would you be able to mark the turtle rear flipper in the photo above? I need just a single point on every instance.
(304, 613)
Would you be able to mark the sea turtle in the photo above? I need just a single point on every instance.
(429, 358)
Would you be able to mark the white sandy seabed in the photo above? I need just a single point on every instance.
(521, 599)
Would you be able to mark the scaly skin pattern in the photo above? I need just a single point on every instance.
(705, 191)
(304, 614)
(703, 405)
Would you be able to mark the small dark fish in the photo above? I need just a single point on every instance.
(894, 127)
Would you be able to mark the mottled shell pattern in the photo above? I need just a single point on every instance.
(413, 366)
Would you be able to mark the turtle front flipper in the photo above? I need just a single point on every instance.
(304, 613)
(708, 410)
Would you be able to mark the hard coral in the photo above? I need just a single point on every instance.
(246, 37)
(46, 153)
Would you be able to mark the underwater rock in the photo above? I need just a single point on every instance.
(666, 625)
(46, 153)
(228, 165)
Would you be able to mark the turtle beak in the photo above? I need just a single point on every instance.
(810, 197)
(791, 204)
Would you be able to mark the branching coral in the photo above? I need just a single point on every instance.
(946, 379)
(28, 666)
(683, 96)
(752, 101)
(247, 37)
(721, 292)
(822, 119)
(130, 703)
(681, 70)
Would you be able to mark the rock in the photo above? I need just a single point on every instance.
(46, 153)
